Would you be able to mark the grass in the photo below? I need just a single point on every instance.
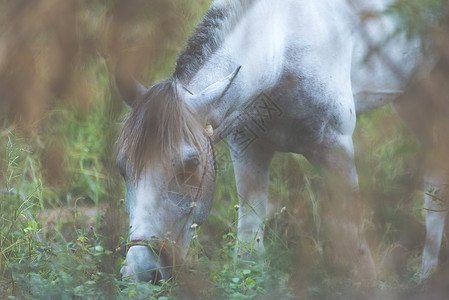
(73, 260)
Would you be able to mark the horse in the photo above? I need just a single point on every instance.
(271, 76)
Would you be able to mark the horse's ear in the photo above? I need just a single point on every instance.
(129, 88)
(214, 91)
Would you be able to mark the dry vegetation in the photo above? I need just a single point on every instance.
(59, 116)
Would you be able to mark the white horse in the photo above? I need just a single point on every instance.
(284, 76)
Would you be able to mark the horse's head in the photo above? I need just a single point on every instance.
(166, 157)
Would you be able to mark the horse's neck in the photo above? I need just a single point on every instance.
(261, 62)
(221, 19)
(225, 113)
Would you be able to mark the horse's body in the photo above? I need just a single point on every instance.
(307, 67)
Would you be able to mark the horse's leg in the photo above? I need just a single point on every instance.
(425, 117)
(251, 167)
(342, 211)
(435, 193)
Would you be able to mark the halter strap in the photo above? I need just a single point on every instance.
(161, 245)
(200, 188)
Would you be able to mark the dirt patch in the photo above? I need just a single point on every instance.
(69, 222)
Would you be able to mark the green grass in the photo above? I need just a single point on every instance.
(76, 261)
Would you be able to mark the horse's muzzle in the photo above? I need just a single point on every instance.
(147, 261)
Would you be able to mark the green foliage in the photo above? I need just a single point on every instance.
(418, 18)
(70, 263)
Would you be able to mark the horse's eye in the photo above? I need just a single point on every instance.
(122, 169)
(190, 165)
(182, 188)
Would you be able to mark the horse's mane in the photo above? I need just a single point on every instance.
(155, 128)
(209, 35)
(158, 124)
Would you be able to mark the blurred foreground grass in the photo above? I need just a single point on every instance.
(58, 153)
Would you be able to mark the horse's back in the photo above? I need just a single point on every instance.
(383, 61)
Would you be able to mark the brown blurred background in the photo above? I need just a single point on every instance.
(57, 60)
